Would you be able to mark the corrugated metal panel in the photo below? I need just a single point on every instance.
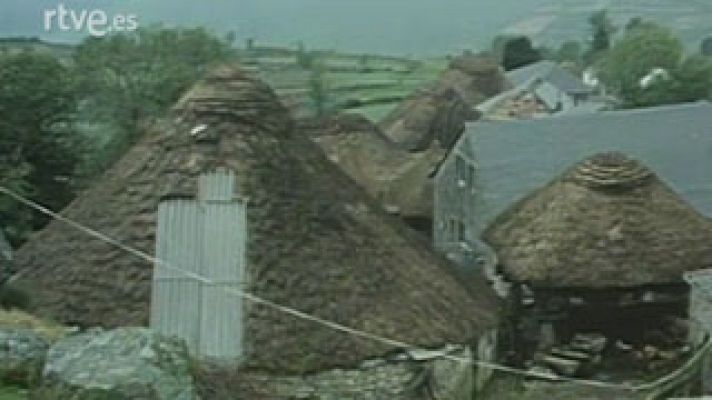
(217, 186)
(223, 262)
(175, 296)
(206, 237)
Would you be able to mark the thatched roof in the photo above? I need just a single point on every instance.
(607, 222)
(5, 255)
(318, 243)
(399, 179)
(437, 113)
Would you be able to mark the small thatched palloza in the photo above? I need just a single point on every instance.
(600, 250)
(607, 222)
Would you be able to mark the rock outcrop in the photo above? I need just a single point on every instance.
(22, 354)
(123, 364)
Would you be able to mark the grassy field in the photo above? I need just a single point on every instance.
(366, 84)
(12, 393)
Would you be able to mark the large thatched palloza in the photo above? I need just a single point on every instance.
(316, 242)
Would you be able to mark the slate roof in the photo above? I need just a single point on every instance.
(548, 71)
(516, 157)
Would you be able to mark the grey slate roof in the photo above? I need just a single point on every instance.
(548, 71)
(516, 157)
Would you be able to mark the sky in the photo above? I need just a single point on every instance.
(415, 27)
(398, 27)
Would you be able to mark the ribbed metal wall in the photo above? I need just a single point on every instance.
(207, 237)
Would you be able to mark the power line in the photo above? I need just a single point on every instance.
(340, 327)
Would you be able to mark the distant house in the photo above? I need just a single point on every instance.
(495, 164)
(556, 87)
(542, 89)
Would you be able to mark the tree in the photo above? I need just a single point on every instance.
(602, 31)
(706, 47)
(304, 58)
(633, 23)
(648, 47)
(569, 51)
(636, 55)
(519, 52)
(318, 91)
(693, 79)
(129, 78)
(39, 150)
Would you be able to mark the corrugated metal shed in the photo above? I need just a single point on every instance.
(516, 157)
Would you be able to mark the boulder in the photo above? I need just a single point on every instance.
(122, 364)
(22, 353)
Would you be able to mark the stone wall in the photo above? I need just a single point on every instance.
(408, 376)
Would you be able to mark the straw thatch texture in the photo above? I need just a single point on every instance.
(607, 222)
(437, 114)
(317, 242)
(399, 179)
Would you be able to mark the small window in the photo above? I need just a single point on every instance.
(461, 232)
(470, 176)
(461, 171)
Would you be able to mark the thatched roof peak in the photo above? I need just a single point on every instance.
(611, 170)
(609, 221)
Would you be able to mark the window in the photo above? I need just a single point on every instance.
(470, 176)
(461, 171)
(461, 232)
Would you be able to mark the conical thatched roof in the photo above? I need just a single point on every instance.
(607, 222)
(318, 243)
(438, 113)
(399, 179)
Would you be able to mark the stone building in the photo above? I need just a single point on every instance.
(701, 317)
(316, 242)
(596, 261)
(495, 164)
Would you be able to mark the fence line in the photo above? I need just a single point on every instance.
(352, 331)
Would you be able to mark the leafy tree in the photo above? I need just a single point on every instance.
(690, 81)
(602, 31)
(128, 78)
(647, 47)
(318, 90)
(230, 38)
(570, 51)
(304, 58)
(706, 47)
(633, 23)
(519, 52)
(39, 150)
(636, 55)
